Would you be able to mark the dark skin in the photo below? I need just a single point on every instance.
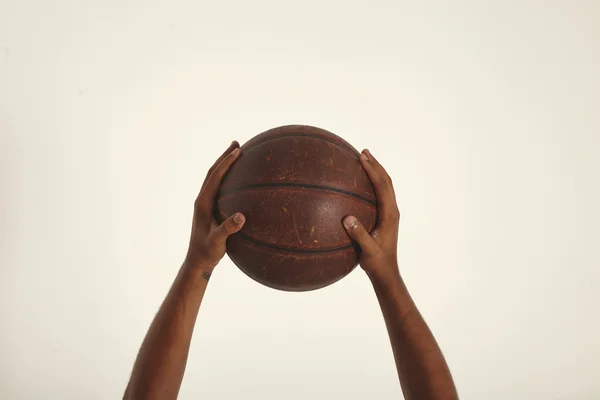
(160, 365)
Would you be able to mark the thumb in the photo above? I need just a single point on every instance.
(358, 232)
(230, 226)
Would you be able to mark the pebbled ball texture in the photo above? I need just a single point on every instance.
(295, 184)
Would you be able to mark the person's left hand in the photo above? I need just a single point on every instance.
(207, 241)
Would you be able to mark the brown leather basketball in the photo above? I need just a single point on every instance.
(295, 184)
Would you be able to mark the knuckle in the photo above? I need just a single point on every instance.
(355, 233)
(228, 160)
(229, 225)
(361, 231)
(219, 172)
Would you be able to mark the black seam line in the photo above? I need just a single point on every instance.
(248, 238)
(340, 145)
(300, 185)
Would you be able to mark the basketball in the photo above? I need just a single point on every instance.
(295, 184)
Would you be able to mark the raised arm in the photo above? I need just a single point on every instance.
(422, 369)
(160, 364)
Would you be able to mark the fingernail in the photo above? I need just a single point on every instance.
(350, 222)
(238, 218)
(235, 152)
(364, 156)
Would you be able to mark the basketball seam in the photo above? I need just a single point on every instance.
(301, 185)
(250, 239)
(340, 145)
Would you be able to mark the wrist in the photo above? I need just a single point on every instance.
(197, 273)
(199, 264)
(386, 278)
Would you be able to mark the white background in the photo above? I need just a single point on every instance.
(486, 114)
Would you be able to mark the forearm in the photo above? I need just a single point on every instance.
(421, 366)
(160, 364)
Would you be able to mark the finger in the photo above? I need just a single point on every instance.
(387, 208)
(231, 225)
(209, 191)
(358, 232)
(232, 146)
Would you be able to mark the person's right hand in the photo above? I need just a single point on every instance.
(208, 237)
(378, 255)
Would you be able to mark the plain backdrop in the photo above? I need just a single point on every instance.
(485, 113)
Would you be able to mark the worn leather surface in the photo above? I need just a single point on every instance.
(295, 184)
